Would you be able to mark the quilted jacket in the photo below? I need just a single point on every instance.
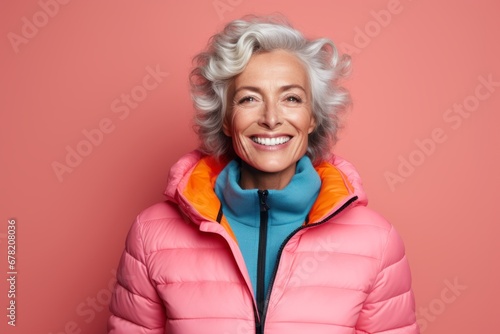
(343, 272)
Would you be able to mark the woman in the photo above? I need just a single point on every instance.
(263, 230)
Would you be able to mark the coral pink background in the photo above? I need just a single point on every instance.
(64, 77)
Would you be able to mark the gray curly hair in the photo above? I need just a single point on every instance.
(227, 55)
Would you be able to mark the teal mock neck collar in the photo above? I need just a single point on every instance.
(289, 205)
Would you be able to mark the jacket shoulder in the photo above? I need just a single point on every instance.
(163, 210)
(379, 229)
(363, 215)
(164, 227)
(161, 226)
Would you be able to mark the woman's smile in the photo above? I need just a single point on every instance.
(274, 141)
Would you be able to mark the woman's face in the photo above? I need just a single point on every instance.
(270, 113)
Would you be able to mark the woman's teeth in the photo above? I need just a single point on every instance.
(271, 141)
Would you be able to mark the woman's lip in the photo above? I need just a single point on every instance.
(271, 141)
(271, 148)
(266, 135)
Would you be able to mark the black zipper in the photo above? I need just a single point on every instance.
(261, 259)
(260, 324)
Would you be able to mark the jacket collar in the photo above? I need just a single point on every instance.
(289, 205)
(192, 180)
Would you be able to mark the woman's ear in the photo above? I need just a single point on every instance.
(226, 128)
(312, 125)
(226, 122)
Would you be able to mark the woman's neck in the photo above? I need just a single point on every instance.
(251, 178)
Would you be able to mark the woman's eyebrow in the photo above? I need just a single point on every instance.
(292, 86)
(250, 88)
(281, 89)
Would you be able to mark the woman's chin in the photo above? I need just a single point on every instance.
(270, 165)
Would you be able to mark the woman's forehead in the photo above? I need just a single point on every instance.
(278, 68)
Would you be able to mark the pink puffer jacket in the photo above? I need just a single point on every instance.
(344, 272)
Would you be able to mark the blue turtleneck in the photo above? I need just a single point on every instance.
(287, 210)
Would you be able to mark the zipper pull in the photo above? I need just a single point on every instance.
(263, 198)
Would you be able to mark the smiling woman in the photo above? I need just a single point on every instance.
(264, 230)
(270, 119)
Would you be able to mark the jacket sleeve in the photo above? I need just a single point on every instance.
(135, 306)
(390, 305)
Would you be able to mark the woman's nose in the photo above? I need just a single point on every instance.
(271, 116)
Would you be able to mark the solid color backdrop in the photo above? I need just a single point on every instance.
(95, 109)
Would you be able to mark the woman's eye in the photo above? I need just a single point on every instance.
(294, 99)
(246, 99)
